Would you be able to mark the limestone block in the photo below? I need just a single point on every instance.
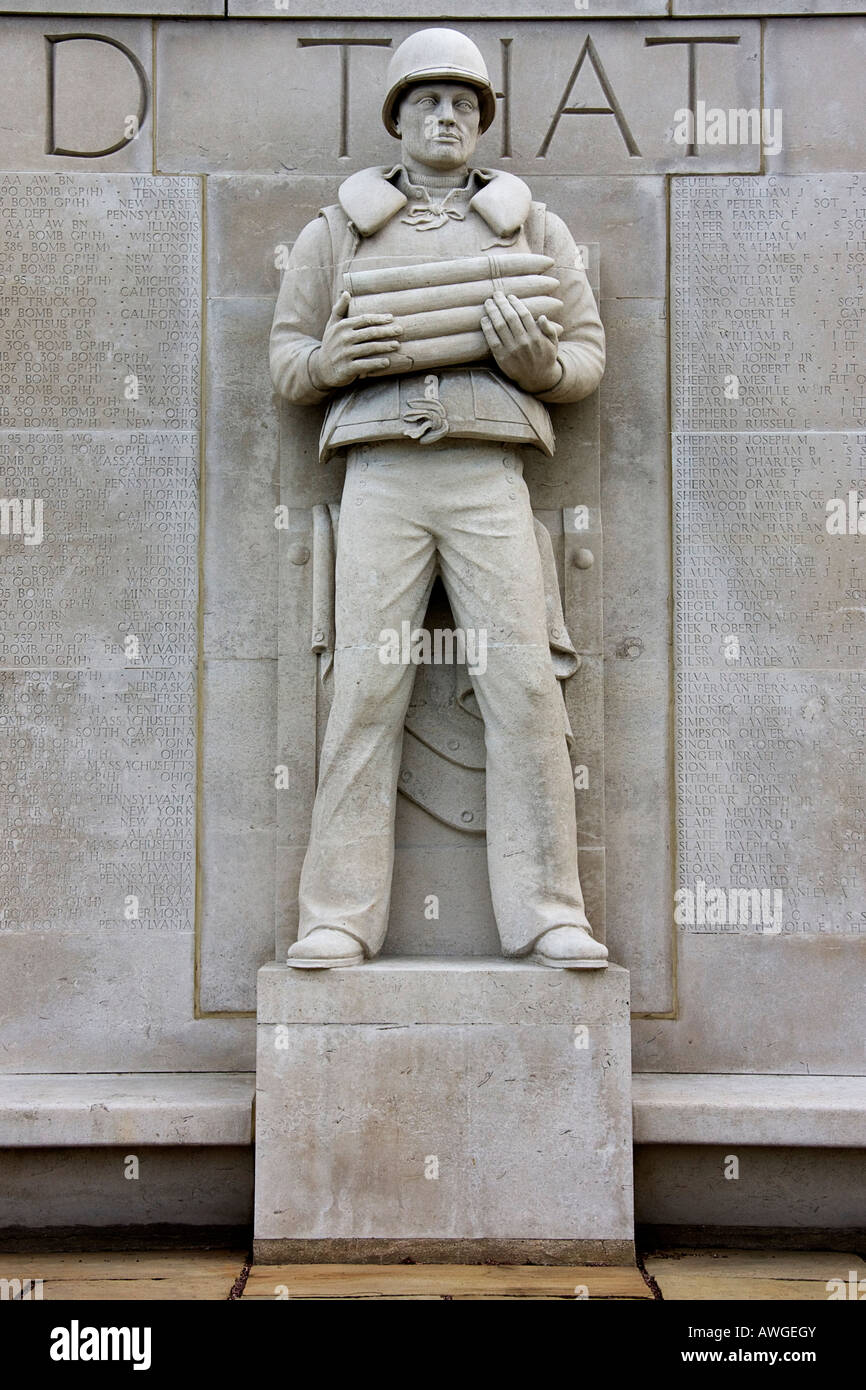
(105, 318)
(785, 1004)
(799, 1111)
(203, 1187)
(236, 923)
(756, 558)
(102, 571)
(100, 828)
(60, 1111)
(626, 218)
(754, 347)
(102, 94)
(290, 70)
(801, 8)
(117, 997)
(820, 130)
(788, 1189)
(180, 8)
(238, 738)
(237, 830)
(253, 222)
(450, 10)
(475, 1072)
(241, 484)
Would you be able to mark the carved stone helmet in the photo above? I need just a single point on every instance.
(438, 53)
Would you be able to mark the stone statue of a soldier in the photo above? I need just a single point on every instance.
(433, 397)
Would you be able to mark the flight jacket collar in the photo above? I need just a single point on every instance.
(370, 198)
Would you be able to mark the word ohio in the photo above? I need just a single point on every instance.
(76, 1343)
(443, 647)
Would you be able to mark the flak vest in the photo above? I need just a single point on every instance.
(428, 399)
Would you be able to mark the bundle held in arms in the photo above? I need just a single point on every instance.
(440, 304)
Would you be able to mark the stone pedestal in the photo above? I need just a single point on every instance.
(450, 1110)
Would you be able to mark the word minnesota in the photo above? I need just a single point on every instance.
(75, 1343)
(442, 647)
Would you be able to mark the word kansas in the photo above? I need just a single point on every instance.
(76, 1343)
(441, 647)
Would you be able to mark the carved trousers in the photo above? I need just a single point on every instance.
(409, 512)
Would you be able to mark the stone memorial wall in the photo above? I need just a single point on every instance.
(158, 161)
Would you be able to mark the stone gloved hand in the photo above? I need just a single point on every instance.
(525, 348)
(353, 346)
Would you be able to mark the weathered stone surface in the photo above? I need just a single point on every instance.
(451, 10)
(637, 637)
(769, 800)
(475, 1072)
(178, 8)
(108, 578)
(64, 1111)
(88, 1187)
(769, 639)
(97, 89)
(240, 539)
(112, 994)
(824, 1111)
(812, 73)
(803, 8)
(767, 312)
(102, 301)
(755, 558)
(448, 991)
(760, 1004)
(789, 1189)
(100, 827)
(284, 67)
(237, 829)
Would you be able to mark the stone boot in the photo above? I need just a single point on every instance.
(324, 949)
(569, 948)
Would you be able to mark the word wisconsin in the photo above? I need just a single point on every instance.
(76, 1343)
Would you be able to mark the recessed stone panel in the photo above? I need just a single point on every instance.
(768, 307)
(99, 546)
(99, 822)
(761, 580)
(770, 812)
(101, 302)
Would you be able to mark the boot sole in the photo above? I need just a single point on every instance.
(322, 964)
(539, 959)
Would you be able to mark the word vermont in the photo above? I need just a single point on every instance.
(728, 907)
(76, 1343)
(442, 647)
(738, 126)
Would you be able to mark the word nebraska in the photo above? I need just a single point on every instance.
(76, 1343)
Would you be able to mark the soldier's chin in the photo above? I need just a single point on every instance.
(445, 155)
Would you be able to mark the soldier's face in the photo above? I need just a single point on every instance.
(438, 124)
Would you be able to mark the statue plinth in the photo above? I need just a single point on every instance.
(443, 1110)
